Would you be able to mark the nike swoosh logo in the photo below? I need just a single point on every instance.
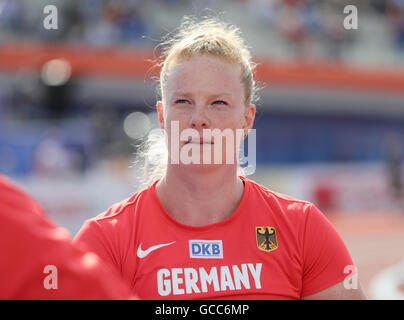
(143, 253)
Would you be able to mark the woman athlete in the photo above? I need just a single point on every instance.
(201, 231)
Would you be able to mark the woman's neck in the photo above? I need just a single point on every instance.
(200, 197)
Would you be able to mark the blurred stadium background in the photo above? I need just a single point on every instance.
(76, 101)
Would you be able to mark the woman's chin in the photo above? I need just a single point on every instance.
(203, 167)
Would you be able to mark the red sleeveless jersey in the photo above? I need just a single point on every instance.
(272, 247)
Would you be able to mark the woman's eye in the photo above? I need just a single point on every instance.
(220, 102)
(181, 101)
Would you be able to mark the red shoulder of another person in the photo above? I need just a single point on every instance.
(16, 201)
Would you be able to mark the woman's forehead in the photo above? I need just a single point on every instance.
(207, 74)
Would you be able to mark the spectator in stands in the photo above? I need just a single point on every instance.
(394, 158)
(395, 14)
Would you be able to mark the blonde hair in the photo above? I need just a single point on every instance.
(213, 37)
(210, 36)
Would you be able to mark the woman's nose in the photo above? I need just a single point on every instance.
(199, 121)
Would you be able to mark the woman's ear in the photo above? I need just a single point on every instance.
(249, 116)
(160, 113)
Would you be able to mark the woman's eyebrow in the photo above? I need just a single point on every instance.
(215, 95)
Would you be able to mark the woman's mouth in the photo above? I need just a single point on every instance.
(199, 141)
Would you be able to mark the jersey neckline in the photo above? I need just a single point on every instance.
(207, 227)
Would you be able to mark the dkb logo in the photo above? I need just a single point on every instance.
(206, 249)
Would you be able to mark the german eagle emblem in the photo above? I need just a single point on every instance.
(266, 238)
